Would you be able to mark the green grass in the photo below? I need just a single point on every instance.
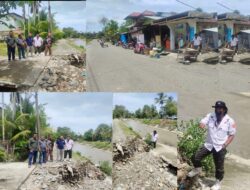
(163, 123)
(104, 165)
(78, 157)
(99, 144)
(151, 121)
(3, 49)
(80, 48)
(106, 168)
(88, 40)
(128, 130)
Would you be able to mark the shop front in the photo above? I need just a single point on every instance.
(185, 25)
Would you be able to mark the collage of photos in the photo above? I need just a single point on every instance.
(124, 95)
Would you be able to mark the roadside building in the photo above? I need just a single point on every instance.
(144, 30)
(184, 25)
(234, 24)
(13, 22)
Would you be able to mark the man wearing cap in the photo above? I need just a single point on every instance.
(221, 129)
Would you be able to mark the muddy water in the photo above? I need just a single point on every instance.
(165, 137)
(94, 154)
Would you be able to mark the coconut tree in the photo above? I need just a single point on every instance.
(15, 99)
(34, 9)
(17, 129)
(161, 99)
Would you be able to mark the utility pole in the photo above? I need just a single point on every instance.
(50, 17)
(37, 116)
(3, 117)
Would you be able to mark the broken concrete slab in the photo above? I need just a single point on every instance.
(22, 73)
(13, 174)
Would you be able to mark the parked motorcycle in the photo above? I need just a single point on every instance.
(139, 48)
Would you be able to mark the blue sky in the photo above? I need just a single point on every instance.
(119, 9)
(133, 101)
(68, 13)
(79, 111)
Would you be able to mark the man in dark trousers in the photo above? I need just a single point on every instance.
(221, 129)
(11, 46)
(33, 148)
(48, 44)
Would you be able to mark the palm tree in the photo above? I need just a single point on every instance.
(22, 4)
(161, 100)
(15, 99)
(17, 129)
(34, 9)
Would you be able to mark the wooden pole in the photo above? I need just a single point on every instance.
(37, 116)
(50, 17)
(3, 130)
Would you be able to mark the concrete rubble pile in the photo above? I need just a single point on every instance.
(122, 152)
(135, 167)
(73, 175)
(186, 183)
(64, 73)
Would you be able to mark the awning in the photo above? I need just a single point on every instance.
(215, 29)
(245, 31)
(153, 17)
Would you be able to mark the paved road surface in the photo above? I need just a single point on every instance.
(63, 47)
(94, 154)
(165, 136)
(120, 70)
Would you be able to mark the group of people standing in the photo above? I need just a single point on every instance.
(32, 44)
(44, 147)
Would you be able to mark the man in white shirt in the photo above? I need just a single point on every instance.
(197, 41)
(69, 143)
(221, 129)
(154, 138)
(38, 42)
(234, 42)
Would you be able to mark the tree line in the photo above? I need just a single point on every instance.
(111, 30)
(102, 133)
(168, 108)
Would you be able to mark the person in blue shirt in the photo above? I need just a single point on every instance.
(60, 148)
(30, 45)
(42, 150)
(21, 44)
